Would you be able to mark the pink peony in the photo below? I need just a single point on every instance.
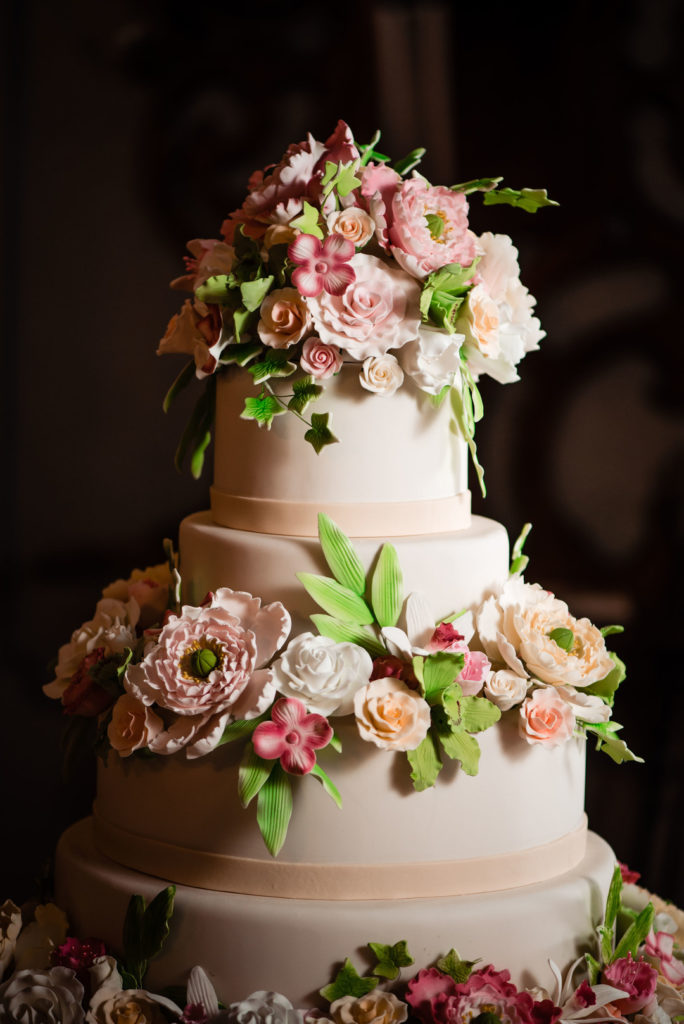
(292, 736)
(320, 360)
(635, 977)
(378, 185)
(437, 999)
(429, 228)
(321, 266)
(546, 718)
(428, 985)
(378, 311)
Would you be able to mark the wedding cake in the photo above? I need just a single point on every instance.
(350, 718)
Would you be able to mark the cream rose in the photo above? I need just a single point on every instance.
(354, 224)
(376, 1007)
(129, 1006)
(381, 374)
(320, 360)
(433, 359)
(391, 715)
(132, 725)
(546, 718)
(10, 926)
(323, 674)
(284, 318)
(506, 689)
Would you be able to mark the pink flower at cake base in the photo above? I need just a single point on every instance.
(379, 311)
(320, 360)
(546, 718)
(321, 266)
(635, 977)
(381, 374)
(292, 736)
(284, 318)
(437, 999)
(132, 726)
(429, 228)
(391, 715)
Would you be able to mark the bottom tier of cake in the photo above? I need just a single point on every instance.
(294, 946)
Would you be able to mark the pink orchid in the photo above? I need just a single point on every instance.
(322, 267)
(635, 977)
(292, 735)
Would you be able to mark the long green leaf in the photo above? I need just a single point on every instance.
(240, 730)
(200, 423)
(155, 926)
(463, 747)
(328, 784)
(132, 930)
(612, 910)
(348, 633)
(338, 601)
(478, 713)
(274, 809)
(181, 382)
(458, 405)
(425, 763)
(635, 934)
(387, 587)
(344, 563)
(253, 774)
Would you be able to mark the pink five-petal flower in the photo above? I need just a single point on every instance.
(292, 735)
(322, 266)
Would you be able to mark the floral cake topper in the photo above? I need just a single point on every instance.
(337, 255)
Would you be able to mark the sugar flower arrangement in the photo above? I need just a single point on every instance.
(46, 974)
(150, 675)
(337, 255)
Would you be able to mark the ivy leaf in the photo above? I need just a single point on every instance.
(262, 409)
(438, 672)
(606, 740)
(327, 783)
(519, 561)
(390, 959)
(610, 630)
(339, 553)
(274, 809)
(461, 746)
(476, 185)
(253, 774)
(348, 633)
(348, 982)
(254, 292)
(459, 970)
(636, 934)
(411, 160)
(319, 435)
(305, 391)
(425, 763)
(181, 382)
(307, 222)
(155, 923)
(605, 688)
(338, 601)
(214, 290)
(528, 199)
(240, 353)
(387, 587)
(346, 181)
(274, 364)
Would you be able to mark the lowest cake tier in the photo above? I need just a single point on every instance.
(453, 570)
(400, 466)
(293, 946)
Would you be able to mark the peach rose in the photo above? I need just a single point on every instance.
(391, 715)
(376, 1007)
(546, 718)
(354, 224)
(284, 318)
(381, 374)
(132, 726)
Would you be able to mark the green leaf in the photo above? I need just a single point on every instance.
(387, 586)
(461, 746)
(613, 900)
(240, 353)
(607, 741)
(564, 637)
(254, 292)
(443, 291)
(305, 392)
(459, 970)
(478, 714)
(346, 180)
(215, 289)
(453, 277)
(307, 222)
(519, 561)
(390, 959)
(194, 438)
(425, 763)
(197, 457)
(274, 809)
(262, 409)
(242, 321)
(610, 630)
(132, 931)
(319, 435)
(467, 430)
(253, 774)
(327, 783)
(336, 743)
(593, 968)
(435, 224)
(348, 982)
(338, 601)
(411, 160)
(155, 924)
(476, 185)
(181, 382)
(274, 364)
(240, 730)
(246, 248)
(348, 633)
(528, 199)
(636, 934)
(369, 152)
(129, 980)
(339, 553)
(438, 672)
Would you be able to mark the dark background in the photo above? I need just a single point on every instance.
(129, 127)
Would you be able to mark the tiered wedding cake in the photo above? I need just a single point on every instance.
(440, 707)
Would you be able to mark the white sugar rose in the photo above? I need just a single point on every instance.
(323, 674)
(284, 318)
(391, 715)
(262, 1008)
(506, 689)
(433, 360)
(129, 1006)
(42, 997)
(10, 926)
(381, 374)
(352, 223)
(376, 1007)
(133, 725)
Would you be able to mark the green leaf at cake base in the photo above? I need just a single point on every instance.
(387, 587)
(636, 934)
(348, 982)
(469, 714)
(607, 930)
(253, 774)
(155, 927)
(390, 959)
(605, 688)
(348, 633)
(240, 730)
(338, 601)
(274, 809)
(437, 673)
(425, 763)
(339, 553)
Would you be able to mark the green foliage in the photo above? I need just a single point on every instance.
(459, 970)
(476, 185)
(253, 774)
(348, 633)
(214, 290)
(408, 162)
(607, 687)
(243, 320)
(197, 433)
(338, 601)
(563, 637)
(390, 959)
(240, 353)
(437, 672)
(273, 364)
(635, 936)
(145, 931)
(610, 630)
(254, 292)
(263, 408)
(274, 809)
(425, 763)
(339, 553)
(387, 587)
(181, 382)
(463, 408)
(305, 392)
(608, 741)
(471, 714)
(607, 930)
(307, 222)
(340, 177)
(327, 783)
(461, 746)
(369, 151)
(348, 982)
(444, 290)
(319, 434)
(528, 199)
(520, 561)
(240, 730)
(593, 968)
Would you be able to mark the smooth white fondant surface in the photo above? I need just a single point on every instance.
(524, 796)
(391, 449)
(454, 570)
(247, 943)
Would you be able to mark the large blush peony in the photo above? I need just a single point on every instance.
(429, 228)
(323, 674)
(377, 312)
(391, 715)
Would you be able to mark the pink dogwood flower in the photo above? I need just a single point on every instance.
(322, 266)
(292, 736)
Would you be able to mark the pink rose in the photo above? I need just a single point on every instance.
(546, 718)
(320, 360)
(635, 977)
(133, 725)
(377, 312)
(429, 228)
(284, 318)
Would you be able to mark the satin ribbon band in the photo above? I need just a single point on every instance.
(274, 878)
(367, 519)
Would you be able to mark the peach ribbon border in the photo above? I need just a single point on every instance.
(255, 877)
(366, 519)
